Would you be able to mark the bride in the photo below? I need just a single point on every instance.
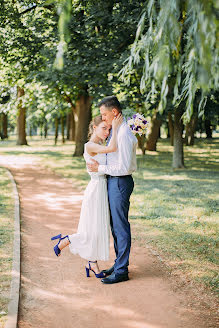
(91, 241)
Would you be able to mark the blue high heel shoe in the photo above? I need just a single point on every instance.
(56, 248)
(98, 275)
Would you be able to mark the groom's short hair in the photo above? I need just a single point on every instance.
(111, 102)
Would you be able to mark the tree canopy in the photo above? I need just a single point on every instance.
(65, 55)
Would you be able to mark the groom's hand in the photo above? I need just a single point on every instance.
(93, 167)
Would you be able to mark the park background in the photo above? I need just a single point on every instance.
(160, 58)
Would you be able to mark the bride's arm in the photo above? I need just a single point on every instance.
(93, 148)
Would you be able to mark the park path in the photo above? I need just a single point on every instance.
(55, 292)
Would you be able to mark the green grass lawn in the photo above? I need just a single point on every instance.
(174, 212)
(6, 241)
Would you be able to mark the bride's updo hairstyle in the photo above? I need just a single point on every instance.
(96, 121)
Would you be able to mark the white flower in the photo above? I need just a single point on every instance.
(130, 122)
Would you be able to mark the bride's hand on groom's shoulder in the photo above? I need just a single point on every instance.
(93, 167)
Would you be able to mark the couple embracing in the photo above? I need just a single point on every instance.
(106, 198)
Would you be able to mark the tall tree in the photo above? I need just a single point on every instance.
(98, 35)
(20, 44)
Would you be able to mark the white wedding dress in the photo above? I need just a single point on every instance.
(92, 239)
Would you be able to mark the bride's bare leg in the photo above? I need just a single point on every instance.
(63, 243)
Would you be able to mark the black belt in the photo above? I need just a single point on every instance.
(117, 176)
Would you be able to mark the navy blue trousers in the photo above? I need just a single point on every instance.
(119, 192)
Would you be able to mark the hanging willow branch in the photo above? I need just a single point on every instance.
(64, 12)
(176, 40)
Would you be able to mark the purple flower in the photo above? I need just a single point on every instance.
(134, 116)
(129, 118)
(145, 122)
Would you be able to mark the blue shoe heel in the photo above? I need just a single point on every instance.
(56, 248)
(87, 272)
(97, 275)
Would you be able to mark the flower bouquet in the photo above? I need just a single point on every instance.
(138, 124)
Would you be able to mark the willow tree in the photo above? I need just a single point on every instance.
(176, 41)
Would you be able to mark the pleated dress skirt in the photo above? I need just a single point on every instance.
(92, 239)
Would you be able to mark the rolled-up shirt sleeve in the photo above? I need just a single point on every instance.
(126, 153)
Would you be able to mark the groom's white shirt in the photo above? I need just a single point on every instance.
(123, 161)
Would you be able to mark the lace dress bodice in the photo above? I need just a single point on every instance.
(100, 158)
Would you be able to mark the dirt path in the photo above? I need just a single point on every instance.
(55, 291)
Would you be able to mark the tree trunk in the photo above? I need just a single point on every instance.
(208, 129)
(63, 128)
(4, 126)
(1, 133)
(153, 135)
(21, 120)
(83, 117)
(171, 127)
(56, 129)
(159, 133)
(45, 129)
(190, 130)
(41, 130)
(68, 127)
(141, 143)
(72, 126)
(167, 129)
(178, 156)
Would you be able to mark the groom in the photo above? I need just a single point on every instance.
(119, 167)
